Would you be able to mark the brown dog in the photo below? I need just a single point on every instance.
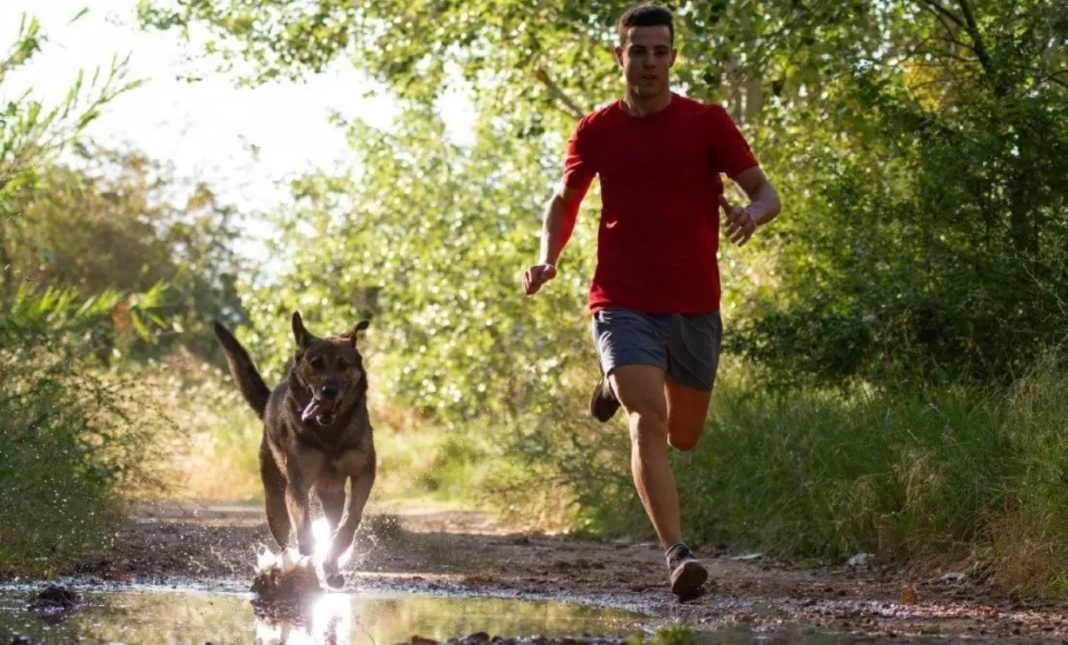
(316, 434)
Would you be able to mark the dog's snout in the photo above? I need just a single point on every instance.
(330, 391)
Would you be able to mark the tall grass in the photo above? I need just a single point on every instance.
(71, 438)
(213, 453)
(74, 433)
(961, 476)
(421, 466)
(829, 474)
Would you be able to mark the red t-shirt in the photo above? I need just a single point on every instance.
(660, 188)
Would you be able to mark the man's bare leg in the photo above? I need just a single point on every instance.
(640, 388)
(647, 394)
(687, 409)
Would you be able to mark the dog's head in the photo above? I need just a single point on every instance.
(329, 369)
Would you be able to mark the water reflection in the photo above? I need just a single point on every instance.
(325, 619)
(156, 616)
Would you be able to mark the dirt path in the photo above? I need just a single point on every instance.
(214, 547)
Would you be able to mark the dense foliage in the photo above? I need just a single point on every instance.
(97, 270)
(117, 220)
(934, 242)
(71, 433)
(920, 147)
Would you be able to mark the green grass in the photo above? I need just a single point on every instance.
(423, 465)
(675, 633)
(826, 474)
(962, 476)
(70, 438)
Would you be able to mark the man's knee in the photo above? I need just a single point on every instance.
(684, 442)
(688, 411)
(647, 427)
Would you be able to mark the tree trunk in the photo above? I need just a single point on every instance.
(754, 99)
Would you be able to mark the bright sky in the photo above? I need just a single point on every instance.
(203, 128)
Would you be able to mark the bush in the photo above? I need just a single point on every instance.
(72, 431)
(954, 475)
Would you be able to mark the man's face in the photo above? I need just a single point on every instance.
(646, 56)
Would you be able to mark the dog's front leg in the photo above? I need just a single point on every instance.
(299, 517)
(346, 530)
(300, 472)
(361, 490)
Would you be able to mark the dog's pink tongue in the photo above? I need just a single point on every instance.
(313, 409)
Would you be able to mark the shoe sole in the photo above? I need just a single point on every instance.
(600, 408)
(687, 580)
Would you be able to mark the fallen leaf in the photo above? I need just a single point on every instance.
(909, 596)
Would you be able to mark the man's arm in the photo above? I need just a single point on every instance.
(763, 205)
(557, 224)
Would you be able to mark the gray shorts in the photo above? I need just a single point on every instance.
(685, 346)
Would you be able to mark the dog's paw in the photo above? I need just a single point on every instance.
(335, 580)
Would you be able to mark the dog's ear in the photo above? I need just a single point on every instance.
(352, 333)
(300, 334)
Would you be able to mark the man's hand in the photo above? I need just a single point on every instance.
(536, 276)
(740, 222)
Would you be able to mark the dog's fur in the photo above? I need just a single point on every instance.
(316, 434)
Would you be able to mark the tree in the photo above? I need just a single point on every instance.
(428, 240)
(934, 242)
(918, 144)
(120, 221)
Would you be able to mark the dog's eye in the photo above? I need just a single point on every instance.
(316, 363)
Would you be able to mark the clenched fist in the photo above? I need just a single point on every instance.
(536, 276)
(740, 222)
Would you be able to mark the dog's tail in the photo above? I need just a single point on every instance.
(242, 369)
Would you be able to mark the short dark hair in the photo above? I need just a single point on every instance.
(645, 15)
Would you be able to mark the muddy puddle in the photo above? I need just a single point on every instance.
(167, 616)
(158, 615)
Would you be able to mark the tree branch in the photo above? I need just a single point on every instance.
(568, 104)
(951, 33)
(954, 41)
(938, 9)
(941, 13)
(979, 48)
(957, 57)
(934, 81)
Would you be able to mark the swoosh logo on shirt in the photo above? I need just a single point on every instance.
(611, 224)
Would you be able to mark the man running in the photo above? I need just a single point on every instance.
(655, 293)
